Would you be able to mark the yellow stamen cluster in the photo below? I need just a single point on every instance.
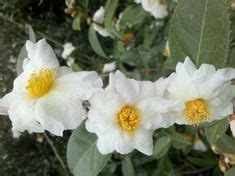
(196, 111)
(128, 118)
(40, 83)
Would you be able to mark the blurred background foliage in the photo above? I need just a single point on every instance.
(138, 49)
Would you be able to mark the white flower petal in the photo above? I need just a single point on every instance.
(79, 84)
(143, 140)
(130, 90)
(124, 143)
(155, 112)
(104, 106)
(187, 68)
(232, 127)
(106, 142)
(41, 56)
(21, 82)
(161, 86)
(211, 82)
(56, 112)
(109, 67)
(68, 49)
(64, 71)
(157, 9)
(98, 24)
(22, 116)
(182, 88)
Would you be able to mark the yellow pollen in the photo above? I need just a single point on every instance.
(40, 83)
(128, 118)
(196, 111)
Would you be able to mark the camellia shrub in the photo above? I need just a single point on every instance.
(162, 104)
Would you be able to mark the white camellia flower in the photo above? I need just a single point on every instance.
(98, 22)
(46, 96)
(109, 67)
(207, 93)
(125, 115)
(68, 49)
(158, 8)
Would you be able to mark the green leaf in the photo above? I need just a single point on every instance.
(127, 167)
(23, 52)
(131, 58)
(82, 154)
(203, 162)
(95, 44)
(20, 59)
(76, 23)
(133, 15)
(231, 172)
(110, 9)
(178, 141)
(213, 133)
(225, 144)
(32, 36)
(231, 62)
(200, 29)
(162, 146)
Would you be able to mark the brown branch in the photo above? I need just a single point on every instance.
(196, 171)
(56, 154)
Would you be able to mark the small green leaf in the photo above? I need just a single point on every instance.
(213, 133)
(231, 172)
(32, 36)
(162, 146)
(76, 23)
(225, 144)
(203, 162)
(82, 154)
(22, 55)
(95, 43)
(131, 58)
(110, 9)
(133, 15)
(23, 52)
(127, 167)
(200, 29)
(178, 141)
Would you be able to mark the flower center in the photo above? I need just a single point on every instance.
(40, 83)
(196, 111)
(128, 118)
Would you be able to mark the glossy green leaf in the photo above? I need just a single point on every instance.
(82, 154)
(178, 141)
(203, 162)
(20, 59)
(76, 23)
(110, 9)
(225, 144)
(95, 44)
(200, 29)
(127, 167)
(32, 36)
(23, 52)
(133, 15)
(231, 172)
(213, 133)
(162, 146)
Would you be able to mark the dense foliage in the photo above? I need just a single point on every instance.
(202, 29)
